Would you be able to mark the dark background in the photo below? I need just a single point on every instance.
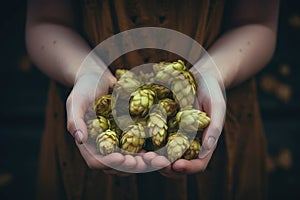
(24, 90)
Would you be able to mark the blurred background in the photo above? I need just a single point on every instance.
(24, 90)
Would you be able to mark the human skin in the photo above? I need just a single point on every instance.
(58, 49)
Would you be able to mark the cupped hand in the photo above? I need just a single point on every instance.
(210, 99)
(79, 107)
(178, 168)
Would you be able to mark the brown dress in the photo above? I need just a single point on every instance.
(237, 168)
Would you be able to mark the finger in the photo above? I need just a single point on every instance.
(191, 166)
(149, 156)
(160, 162)
(213, 131)
(111, 160)
(215, 107)
(169, 172)
(75, 117)
(129, 162)
(95, 161)
(141, 166)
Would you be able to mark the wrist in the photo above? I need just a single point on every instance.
(208, 71)
(92, 66)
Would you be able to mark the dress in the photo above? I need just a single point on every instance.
(237, 169)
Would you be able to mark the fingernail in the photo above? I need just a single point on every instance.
(78, 136)
(210, 142)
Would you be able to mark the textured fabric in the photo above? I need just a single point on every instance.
(237, 168)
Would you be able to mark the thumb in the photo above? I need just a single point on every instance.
(213, 131)
(75, 117)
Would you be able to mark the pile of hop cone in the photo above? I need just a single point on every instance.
(150, 110)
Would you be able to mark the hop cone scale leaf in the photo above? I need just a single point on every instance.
(193, 151)
(97, 126)
(141, 101)
(177, 144)
(107, 142)
(157, 127)
(192, 120)
(133, 139)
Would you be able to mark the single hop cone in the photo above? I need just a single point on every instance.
(179, 65)
(177, 144)
(159, 66)
(97, 126)
(167, 75)
(146, 77)
(141, 101)
(192, 120)
(121, 72)
(169, 105)
(184, 89)
(102, 106)
(133, 139)
(193, 151)
(107, 142)
(126, 85)
(157, 127)
(160, 90)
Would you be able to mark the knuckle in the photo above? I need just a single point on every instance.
(69, 100)
(70, 125)
(216, 130)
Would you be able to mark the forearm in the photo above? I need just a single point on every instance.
(54, 44)
(57, 50)
(247, 45)
(242, 52)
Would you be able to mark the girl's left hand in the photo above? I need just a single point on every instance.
(211, 99)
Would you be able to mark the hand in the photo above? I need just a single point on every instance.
(79, 106)
(179, 168)
(212, 101)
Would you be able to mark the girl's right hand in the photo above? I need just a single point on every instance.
(79, 103)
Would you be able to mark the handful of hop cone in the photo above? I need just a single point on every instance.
(150, 110)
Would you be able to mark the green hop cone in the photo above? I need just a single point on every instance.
(141, 101)
(179, 65)
(167, 74)
(169, 105)
(102, 106)
(184, 89)
(121, 72)
(159, 66)
(193, 151)
(107, 142)
(157, 127)
(160, 90)
(177, 144)
(97, 126)
(133, 139)
(192, 120)
(126, 85)
(146, 77)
